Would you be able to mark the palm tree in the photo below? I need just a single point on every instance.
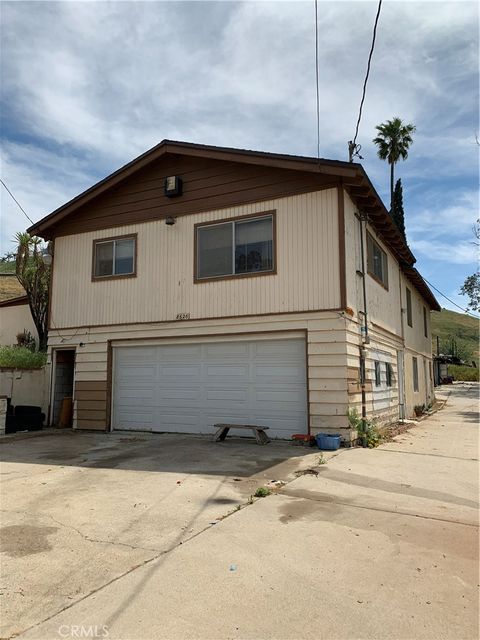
(393, 141)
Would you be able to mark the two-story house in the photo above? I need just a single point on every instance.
(201, 284)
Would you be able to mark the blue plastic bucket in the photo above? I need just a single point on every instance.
(328, 441)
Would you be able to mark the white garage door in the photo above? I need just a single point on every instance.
(188, 387)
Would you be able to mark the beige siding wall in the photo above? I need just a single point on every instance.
(389, 332)
(417, 345)
(307, 270)
(327, 351)
(14, 320)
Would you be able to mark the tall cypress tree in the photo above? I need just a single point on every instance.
(398, 214)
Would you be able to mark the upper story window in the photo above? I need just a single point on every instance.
(377, 262)
(425, 322)
(114, 257)
(378, 379)
(409, 308)
(235, 248)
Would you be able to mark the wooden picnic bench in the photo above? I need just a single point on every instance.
(223, 429)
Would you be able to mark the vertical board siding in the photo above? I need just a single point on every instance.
(307, 270)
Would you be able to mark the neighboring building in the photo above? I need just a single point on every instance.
(15, 316)
(201, 284)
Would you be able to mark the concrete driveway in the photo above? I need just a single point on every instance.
(80, 510)
(381, 544)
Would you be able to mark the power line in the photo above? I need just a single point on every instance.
(19, 205)
(451, 301)
(352, 146)
(316, 78)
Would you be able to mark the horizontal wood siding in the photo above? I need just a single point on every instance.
(327, 359)
(90, 398)
(207, 185)
(307, 275)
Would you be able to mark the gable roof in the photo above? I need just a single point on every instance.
(352, 176)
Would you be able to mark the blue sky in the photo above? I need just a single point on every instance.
(87, 86)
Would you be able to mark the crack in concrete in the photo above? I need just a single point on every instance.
(432, 455)
(85, 536)
(293, 494)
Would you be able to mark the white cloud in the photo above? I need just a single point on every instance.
(88, 86)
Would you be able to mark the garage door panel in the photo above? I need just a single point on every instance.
(136, 393)
(190, 387)
(134, 371)
(227, 371)
(227, 351)
(277, 349)
(282, 371)
(186, 370)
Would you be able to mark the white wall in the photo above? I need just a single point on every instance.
(28, 386)
(13, 320)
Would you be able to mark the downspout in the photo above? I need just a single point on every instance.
(365, 336)
(402, 328)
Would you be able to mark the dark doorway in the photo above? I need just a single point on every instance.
(63, 388)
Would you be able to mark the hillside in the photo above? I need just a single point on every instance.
(464, 329)
(10, 287)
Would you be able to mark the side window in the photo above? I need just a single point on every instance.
(425, 322)
(377, 262)
(388, 371)
(378, 379)
(409, 308)
(415, 373)
(114, 257)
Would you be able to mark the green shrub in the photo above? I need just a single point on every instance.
(262, 492)
(21, 358)
(461, 372)
(367, 430)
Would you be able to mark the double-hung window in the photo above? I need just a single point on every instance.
(114, 257)
(238, 247)
(377, 261)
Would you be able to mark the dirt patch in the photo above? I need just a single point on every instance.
(18, 541)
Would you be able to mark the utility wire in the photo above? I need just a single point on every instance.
(352, 145)
(19, 205)
(451, 301)
(316, 78)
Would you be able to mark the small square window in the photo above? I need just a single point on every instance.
(114, 257)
